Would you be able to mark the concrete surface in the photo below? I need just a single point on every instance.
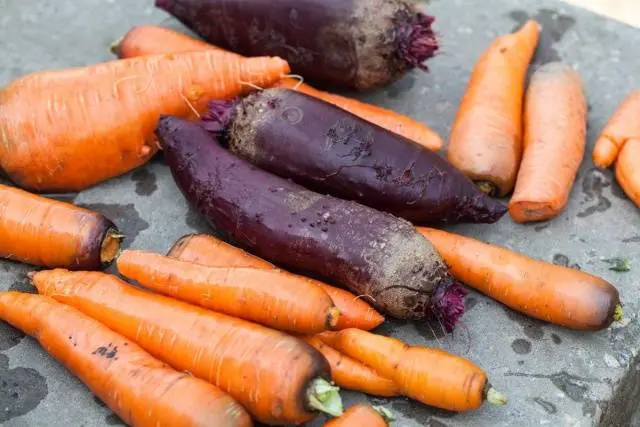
(553, 376)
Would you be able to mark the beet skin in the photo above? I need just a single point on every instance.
(369, 252)
(350, 44)
(329, 150)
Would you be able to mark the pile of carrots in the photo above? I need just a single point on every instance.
(214, 335)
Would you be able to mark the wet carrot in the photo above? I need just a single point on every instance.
(622, 126)
(139, 388)
(362, 415)
(151, 40)
(207, 250)
(628, 169)
(486, 138)
(559, 295)
(270, 297)
(555, 127)
(49, 233)
(71, 129)
(278, 378)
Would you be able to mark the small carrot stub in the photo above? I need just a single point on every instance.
(362, 416)
(555, 126)
(142, 390)
(628, 169)
(49, 233)
(486, 137)
(622, 126)
(208, 250)
(559, 295)
(270, 297)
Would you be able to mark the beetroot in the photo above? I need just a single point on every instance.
(369, 252)
(350, 44)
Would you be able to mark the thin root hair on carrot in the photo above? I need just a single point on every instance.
(252, 85)
(190, 105)
(365, 296)
(295, 77)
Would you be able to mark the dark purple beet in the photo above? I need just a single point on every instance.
(367, 251)
(351, 44)
(329, 150)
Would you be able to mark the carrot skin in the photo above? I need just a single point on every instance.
(555, 121)
(266, 371)
(628, 169)
(622, 126)
(358, 416)
(139, 388)
(49, 233)
(555, 294)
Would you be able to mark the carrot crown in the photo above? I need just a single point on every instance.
(417, 41)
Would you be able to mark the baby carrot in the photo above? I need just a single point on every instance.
(270, 297)
(486, 138)
(207, 250)
(278, 378)
(628, 169)
(152, 40)
(559, 295)
(70, 129)
(49, 233)
(362, 416)
(139, 388)
(622, 126)
(555, 127)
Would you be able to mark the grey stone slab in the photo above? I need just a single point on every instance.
(553, 376)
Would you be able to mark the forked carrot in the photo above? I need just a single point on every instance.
(49, 233)
(151, 40)
(622, 126)
(270, 297)
(486, 138)
(555, 127)
(628, 169)
(362, 415)
(208, 250)
(142, 390)
(70, 129)
(278, 378)
(428, 375)
(556, 294)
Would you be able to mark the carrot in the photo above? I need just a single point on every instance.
(555, 294)
(152, 40)
(271, 297)
(278, 378)
(428, 375)
(486, 137)
(139, 388)
(622, 126)
(45, 232)
(628, 169)
(555, 127)
(70, 129)
(362, 415)
(207, 250)
(352, 375)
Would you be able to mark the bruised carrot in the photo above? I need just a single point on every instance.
(49, 233)
(428, 375)
(207, 250)
(555, 128)
(279, 379)
(152, 40)
(623, 125)
(486, 137)
(142, 390)
(352, 375)
(556, 294)
(270, 297)
(628, 169)
(362, 415)
(71, 129)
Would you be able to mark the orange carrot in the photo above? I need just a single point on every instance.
(271, 297)
(279, 379)
(45, 232)
(555, 294)
(555, 122)
(68, 130)
(352, 375)
(628, 169)
(362, 416)
(142, 390)
(428, 375)
(486, 138)
(207, 250)
(623, 125)
(151, 40)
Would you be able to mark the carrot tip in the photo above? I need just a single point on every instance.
(325, 397)
(487, 188)
(494, 397)
(618, 314)
(384, 413)
(110, 246)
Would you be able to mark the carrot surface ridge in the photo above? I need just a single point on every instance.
(621, 126)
